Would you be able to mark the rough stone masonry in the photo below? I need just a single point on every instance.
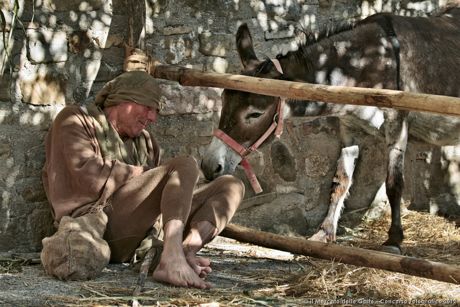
(61, 52)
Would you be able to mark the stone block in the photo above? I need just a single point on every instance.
(5, 87)
(175, 30)
(27, 225)
(110, 32)
(72, 5)
(46, 46)
(280, 34)
(32, 191)
(47, 89)
(79, 41)
(189, 100)
(35, 157)
(283, 161)
(5, 149)
(217, 64)
(216, 44)
(178, 49)
(284, 215)
(40, 225)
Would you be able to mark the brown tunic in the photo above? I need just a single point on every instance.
(77, 179)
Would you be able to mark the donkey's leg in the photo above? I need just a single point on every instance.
(340, 187)
(396, 134)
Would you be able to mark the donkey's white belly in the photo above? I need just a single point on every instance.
(435, 129)
(366, 118)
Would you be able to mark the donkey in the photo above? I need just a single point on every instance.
(417, 54)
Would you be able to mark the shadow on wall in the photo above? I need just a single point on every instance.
(61, 52)
(52, 52)
(55, 53)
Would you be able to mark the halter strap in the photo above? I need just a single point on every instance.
(276, 127)
(245, 151)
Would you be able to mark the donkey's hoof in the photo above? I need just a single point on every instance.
(392, 249)
(320, 236)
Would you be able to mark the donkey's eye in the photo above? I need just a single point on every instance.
(254, 115)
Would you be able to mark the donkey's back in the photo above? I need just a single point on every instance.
(430, 53)
(430, 63)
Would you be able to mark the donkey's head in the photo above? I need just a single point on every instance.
(245, 117)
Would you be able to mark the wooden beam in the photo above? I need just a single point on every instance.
(304, 91)
(346, 254)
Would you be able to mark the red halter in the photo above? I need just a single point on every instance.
(276, 127)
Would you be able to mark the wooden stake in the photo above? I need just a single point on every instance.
(344, 254)
(151, 258)
(304, 91)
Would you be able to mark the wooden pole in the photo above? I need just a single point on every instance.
(304, 91)
(345, 254)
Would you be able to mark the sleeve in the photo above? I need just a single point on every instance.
(156, 151)
(89, 171)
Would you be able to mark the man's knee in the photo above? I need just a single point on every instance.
(231, 184)
(185, 164)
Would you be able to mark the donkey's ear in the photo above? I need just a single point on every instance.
(244, 46)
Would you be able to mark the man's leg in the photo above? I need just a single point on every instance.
(136, 206)
(176, 203)
(173, 267)
(213, 206)
(199, 235)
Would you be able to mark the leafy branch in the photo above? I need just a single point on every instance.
(8, 34)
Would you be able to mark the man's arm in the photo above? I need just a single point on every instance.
(76, 172)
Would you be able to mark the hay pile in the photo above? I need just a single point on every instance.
(426, 236)
(247, 275)
(322, 282)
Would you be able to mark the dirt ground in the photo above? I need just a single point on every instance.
(248, 275)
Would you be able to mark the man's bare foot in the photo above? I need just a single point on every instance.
(173, 267)
(201, 266)
(177, 272)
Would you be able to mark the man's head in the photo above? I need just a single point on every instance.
(130, 118)
(135, 86)
(131, 101)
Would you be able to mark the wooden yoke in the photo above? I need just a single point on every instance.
(136, 59)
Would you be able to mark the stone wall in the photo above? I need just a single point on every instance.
(62, 52)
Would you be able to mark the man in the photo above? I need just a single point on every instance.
(101, 156)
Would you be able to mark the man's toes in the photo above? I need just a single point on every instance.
(203, 261)
(205, 271)
(198, 283)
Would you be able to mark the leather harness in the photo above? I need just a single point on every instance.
(276, 128)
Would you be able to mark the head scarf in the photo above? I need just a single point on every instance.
(134, 86)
